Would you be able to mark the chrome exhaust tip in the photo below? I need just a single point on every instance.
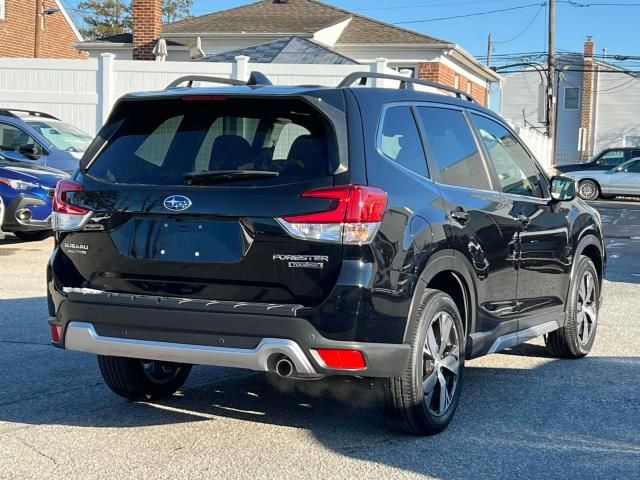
(284, 367)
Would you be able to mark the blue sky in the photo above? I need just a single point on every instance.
(613, 27)
(517, 30)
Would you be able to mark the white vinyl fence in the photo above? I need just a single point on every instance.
(540, 145)
(82, 92)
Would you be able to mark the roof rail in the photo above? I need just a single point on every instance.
(406, 83)
(8, 112)
(256, 78)
(203, 78)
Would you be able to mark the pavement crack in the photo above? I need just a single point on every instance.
(44, 394)
(18, 342)
(36, 450)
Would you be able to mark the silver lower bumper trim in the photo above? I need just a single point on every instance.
(82, 337)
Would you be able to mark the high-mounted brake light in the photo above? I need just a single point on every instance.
(203, 98)
(353, 218)
(67, 216)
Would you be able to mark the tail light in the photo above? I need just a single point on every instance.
(67, 216)
(339, 358)
(354, 217)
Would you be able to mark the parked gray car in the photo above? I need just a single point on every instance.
(621, 180)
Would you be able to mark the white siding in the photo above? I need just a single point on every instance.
(568, 127)
(618, 109)
(521, 101)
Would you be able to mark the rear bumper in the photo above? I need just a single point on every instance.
(250, 336)
(39, 211)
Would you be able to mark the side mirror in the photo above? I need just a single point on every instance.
(563, 189)
(30, 151)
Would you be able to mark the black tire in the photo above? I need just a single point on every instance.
(129, 378)
(576, 338)
(409, 409)
(33, 236)
(588, 190)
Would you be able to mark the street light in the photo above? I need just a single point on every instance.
(41, 13)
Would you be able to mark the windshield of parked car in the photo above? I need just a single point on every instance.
(63, 135)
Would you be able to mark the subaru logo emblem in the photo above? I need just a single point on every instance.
(177, 203)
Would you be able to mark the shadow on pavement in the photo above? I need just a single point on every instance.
(573, 419)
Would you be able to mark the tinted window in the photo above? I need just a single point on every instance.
(159, 142)
(13, 139)
(612, 158)
(633, 167)
(400, 140)
(517, 171)
(571, 98)
(453, 148)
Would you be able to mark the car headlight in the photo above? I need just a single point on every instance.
(18, 184)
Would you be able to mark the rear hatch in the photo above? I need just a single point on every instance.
(185, 194)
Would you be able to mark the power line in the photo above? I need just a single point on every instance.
(524, 29)
(488, 12)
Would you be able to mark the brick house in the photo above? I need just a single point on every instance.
(17, 30)
(598, 104)
(346, 33)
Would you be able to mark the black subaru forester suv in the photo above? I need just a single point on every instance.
(310, 231)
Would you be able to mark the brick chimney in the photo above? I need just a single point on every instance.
(586, 111)
(147, 26)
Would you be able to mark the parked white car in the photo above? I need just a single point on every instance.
(621, 180)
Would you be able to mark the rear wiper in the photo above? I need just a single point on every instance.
(212, 176)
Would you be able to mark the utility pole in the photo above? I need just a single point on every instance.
(551, 94)
(489, 45)
(39, 22)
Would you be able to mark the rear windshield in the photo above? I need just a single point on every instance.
(162, 142)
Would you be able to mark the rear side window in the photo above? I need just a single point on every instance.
(453, 148)
(160, 142)
(399, 140)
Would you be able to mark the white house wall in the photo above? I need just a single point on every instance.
(618, 107)
(568, 128)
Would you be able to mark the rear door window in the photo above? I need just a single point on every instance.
(161, 142)
(453, 148)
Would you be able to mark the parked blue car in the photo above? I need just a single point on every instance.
(26, 195)
(41, 139)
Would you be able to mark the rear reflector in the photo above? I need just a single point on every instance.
(55, 333)
(342, 359)
(67, 216)
(354, 216)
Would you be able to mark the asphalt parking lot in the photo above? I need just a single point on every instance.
(522, 414)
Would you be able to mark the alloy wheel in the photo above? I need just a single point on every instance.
(587, 190)
(587, 308)
(441, 363)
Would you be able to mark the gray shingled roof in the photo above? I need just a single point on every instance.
(303, 17)
(285, 50)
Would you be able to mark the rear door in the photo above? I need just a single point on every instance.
(543, 253)
(482, 230)
(183, 207)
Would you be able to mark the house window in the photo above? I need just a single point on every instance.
(632, 140)
(2, 8)
(571, 97)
